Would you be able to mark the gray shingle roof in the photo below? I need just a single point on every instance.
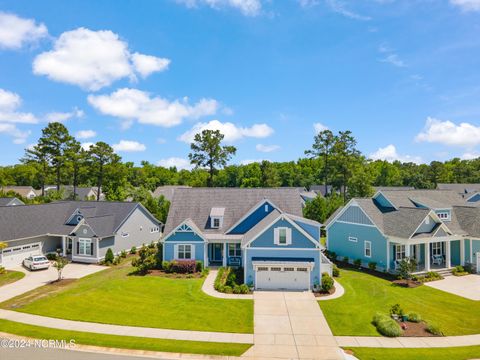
(33, 220)
(5, 201)
(430, 198)
(168, 191)
(196, 204)
(460, 188)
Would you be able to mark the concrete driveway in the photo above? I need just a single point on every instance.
(290, 325)
(34, 279)
(466, 286)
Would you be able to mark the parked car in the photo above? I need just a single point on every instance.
(36, 262)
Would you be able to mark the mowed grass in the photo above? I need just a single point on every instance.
(113, 296)
(10, 277)
(453, 353)
(365, 294)
(124, 342)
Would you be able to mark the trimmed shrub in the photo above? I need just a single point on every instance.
(133, 250)
(357, 262)
(2, 270)
(378, 317)
(244, 289)
(372, 265)
(335, 271)
(332, 255)
(221, 278)
(198, 266)
(236, 289)
(205, 272)
(414, 317)
(470, 268)
(388, 327)
(327, 282)
(227, 289)
(396, 310)
(434, 329)
(116, 260)
(109, 257)
(166, 265)
(459, 270)
(146, 260)
(430, 276)
(123, 254)
(346, 259)
(151, 245)
(52, 256)
(183, 266)
(159, 256)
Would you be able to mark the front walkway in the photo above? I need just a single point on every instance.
(35, 279)
(467, 286)
(125, 330)
(290, 325)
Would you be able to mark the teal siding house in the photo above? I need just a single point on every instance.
(438, 228)
(260, 230)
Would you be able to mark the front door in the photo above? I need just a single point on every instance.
(217, 250)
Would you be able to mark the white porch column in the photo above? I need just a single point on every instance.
(462, 252)
(387, 265)
(224, 260)
(448, 245)
(64, 246)
(427, 257)
(407, 251)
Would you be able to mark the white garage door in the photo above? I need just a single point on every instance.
(286, 277)
(13, 256)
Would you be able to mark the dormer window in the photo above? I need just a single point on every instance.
(216, 217)
(444, 215)
(266, 207)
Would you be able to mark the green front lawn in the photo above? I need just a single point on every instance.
(124, 342)
(10, 277)
(365, 294)
(113, 296)
(453, 353)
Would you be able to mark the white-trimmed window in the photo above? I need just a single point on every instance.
(352, 239)
(154, 229)
(399, 252)
(444, 215)
(266, 207)
(437, 248)
(234, 250)
(283, 236)
(184, 252)
(368, 249)
(85, 247)
(216, 222)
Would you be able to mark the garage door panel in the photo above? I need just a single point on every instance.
(13, 256)
(282, 278)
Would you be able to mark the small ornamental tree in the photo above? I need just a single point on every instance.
(146, 260)
(109, 257)
(405, 268)
(60, 264)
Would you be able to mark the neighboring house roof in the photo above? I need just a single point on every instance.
(168, 191)
(197, 203)
(8, 201)
(320, 189)
(393, 188)
(460, 188)
(434, 199)
(23, 191)
(104, 218)
(83, 193)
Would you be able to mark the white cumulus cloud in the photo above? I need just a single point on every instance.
(179, 163)
(15, 31)
(448, 133)
(86, 145)
(132, 104)
(267, 148)
(319, 127)
(467, 5)
(246, 7)
(10, 116)
(129, 146)
(85, 134)
(251, 161)
(64, 116)
(94, 59)
(19, 137)
(389, 153)
(231, 131)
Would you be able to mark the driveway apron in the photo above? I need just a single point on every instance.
(290, 325)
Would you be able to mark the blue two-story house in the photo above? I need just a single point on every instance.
(437, 228)
(261, 230)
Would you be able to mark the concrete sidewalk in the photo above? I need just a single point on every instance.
(408, 342)
(125, 330)
(290, 325)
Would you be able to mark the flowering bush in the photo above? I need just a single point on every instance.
(183, 266)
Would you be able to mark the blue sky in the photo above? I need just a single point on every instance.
(146, 75)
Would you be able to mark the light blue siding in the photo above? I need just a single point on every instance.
(338, 234)
(312, 230)
(294, 254)
(355, 215)
(169, 249)
(467, 251)
(184, 236)
(266, 239)
(253, 219)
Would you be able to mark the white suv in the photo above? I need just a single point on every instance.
(36, 262)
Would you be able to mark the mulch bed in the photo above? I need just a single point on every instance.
(415, 329)
(324, 293)
(407, 283)
(162, 273)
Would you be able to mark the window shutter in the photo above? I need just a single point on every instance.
(289, 236)
(175, 251)
(275, 236)
(91, 247)
(192, 256)
(78, 246)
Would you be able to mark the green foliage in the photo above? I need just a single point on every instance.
(158, 207)
(357, 262)
(60, 264)
(133, 250)
(414, 317)
(321, 208)
(327, 282)
(346, 259)
(434, 329)
(396, 310)
(2, 270)
(123, 254)
(109, 257)
(459, 271)
(335, 271)
(405, 268)
(386, 325)
(146, 260)
(430, 276)
(198, 266)
(372, 265)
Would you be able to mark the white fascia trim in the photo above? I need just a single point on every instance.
(379, 192)
(175, 229)
(444, 227)
(435, 218)
(293, 223)
(395, 240)
(251, 211)
(351, 223)
(186, 242)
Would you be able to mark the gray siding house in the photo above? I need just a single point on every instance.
(83, 231)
